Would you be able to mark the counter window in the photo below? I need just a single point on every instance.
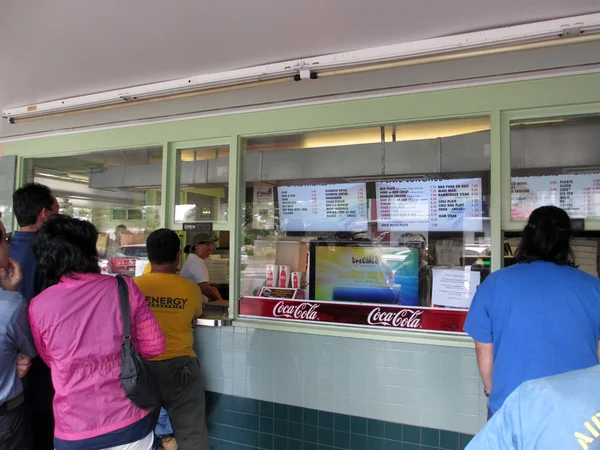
(202, 208)
(556, 161)
(383, 227)
(203, 181)
(118, 191)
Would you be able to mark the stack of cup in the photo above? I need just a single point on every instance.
(272, 274)
(284, 276)
(297, 279)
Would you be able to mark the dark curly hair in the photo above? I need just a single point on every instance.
(29, 201)
(546, 237)
(66, 246)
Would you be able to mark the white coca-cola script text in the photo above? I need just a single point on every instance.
(302, 311)
(403, 318)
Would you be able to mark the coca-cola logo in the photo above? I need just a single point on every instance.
(403, 318)
(301, 311)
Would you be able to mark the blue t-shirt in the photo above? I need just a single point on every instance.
(555, 413)
(543, 319)
(20, 250)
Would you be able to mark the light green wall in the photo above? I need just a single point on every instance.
(576, 90)
(502, 102)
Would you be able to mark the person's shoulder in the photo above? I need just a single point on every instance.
(184, 282)
(193, 259)
(581, 276)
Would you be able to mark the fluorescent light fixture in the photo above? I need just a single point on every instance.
(566, 30)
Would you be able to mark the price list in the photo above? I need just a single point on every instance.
(446, 205)
(578, 195)
(333, 207)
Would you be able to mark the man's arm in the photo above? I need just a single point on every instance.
(485, 361)
(210, 291)
(503, 431)
(20, 331)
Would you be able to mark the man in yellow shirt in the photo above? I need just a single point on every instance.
(176, 302)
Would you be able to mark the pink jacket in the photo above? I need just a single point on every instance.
(78, 331)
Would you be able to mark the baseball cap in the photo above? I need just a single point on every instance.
(204, 238)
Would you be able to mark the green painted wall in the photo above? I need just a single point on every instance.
(501, 102)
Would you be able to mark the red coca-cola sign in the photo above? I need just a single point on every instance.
(355, 314)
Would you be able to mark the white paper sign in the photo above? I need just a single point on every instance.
(454, 288)
(263, 215)
(140, 265)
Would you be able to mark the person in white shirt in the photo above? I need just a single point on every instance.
(195, 268)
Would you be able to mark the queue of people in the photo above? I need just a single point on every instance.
(61, 330)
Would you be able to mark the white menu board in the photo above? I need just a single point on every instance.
(441, 205)
(578, 195)
(330, 207)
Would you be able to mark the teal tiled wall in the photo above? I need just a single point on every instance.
(236, 423)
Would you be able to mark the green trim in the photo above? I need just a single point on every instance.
(452, 103)
(568, 95)
(497, 247)
(237, 183)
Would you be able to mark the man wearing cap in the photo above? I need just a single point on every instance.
(195, 268)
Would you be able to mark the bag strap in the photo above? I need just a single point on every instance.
(124, 299)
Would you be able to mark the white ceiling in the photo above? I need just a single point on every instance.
(63, 48)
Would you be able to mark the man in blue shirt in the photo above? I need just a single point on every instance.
(539, 317)
(33, 204)
(15, 338)
(560, 412)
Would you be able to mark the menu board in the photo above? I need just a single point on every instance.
(331, 207)
(441, 205)
(578, 195)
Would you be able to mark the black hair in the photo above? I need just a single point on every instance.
(66, 246)
(188, 249)
(162, 246)
(546, 238)
(29, 201)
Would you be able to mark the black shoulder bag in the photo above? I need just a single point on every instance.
(138, 383)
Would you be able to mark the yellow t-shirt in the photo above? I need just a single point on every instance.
(175, 302)
(147, 269)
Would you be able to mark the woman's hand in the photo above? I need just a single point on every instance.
(11, 279)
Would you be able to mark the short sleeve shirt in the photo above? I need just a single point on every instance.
(543, 319)
(195, 269)
(559, 412)
(175, 302)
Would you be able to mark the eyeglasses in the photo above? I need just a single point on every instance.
(7, 237)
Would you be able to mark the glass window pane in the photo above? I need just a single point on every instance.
(203, 185)
(203, 197)
(390, 215)
(118, 191)
(556, 161)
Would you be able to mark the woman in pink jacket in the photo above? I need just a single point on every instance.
(77, 328)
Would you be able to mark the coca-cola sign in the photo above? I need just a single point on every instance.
(301, 311)
(353, 314)
(403, 318)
